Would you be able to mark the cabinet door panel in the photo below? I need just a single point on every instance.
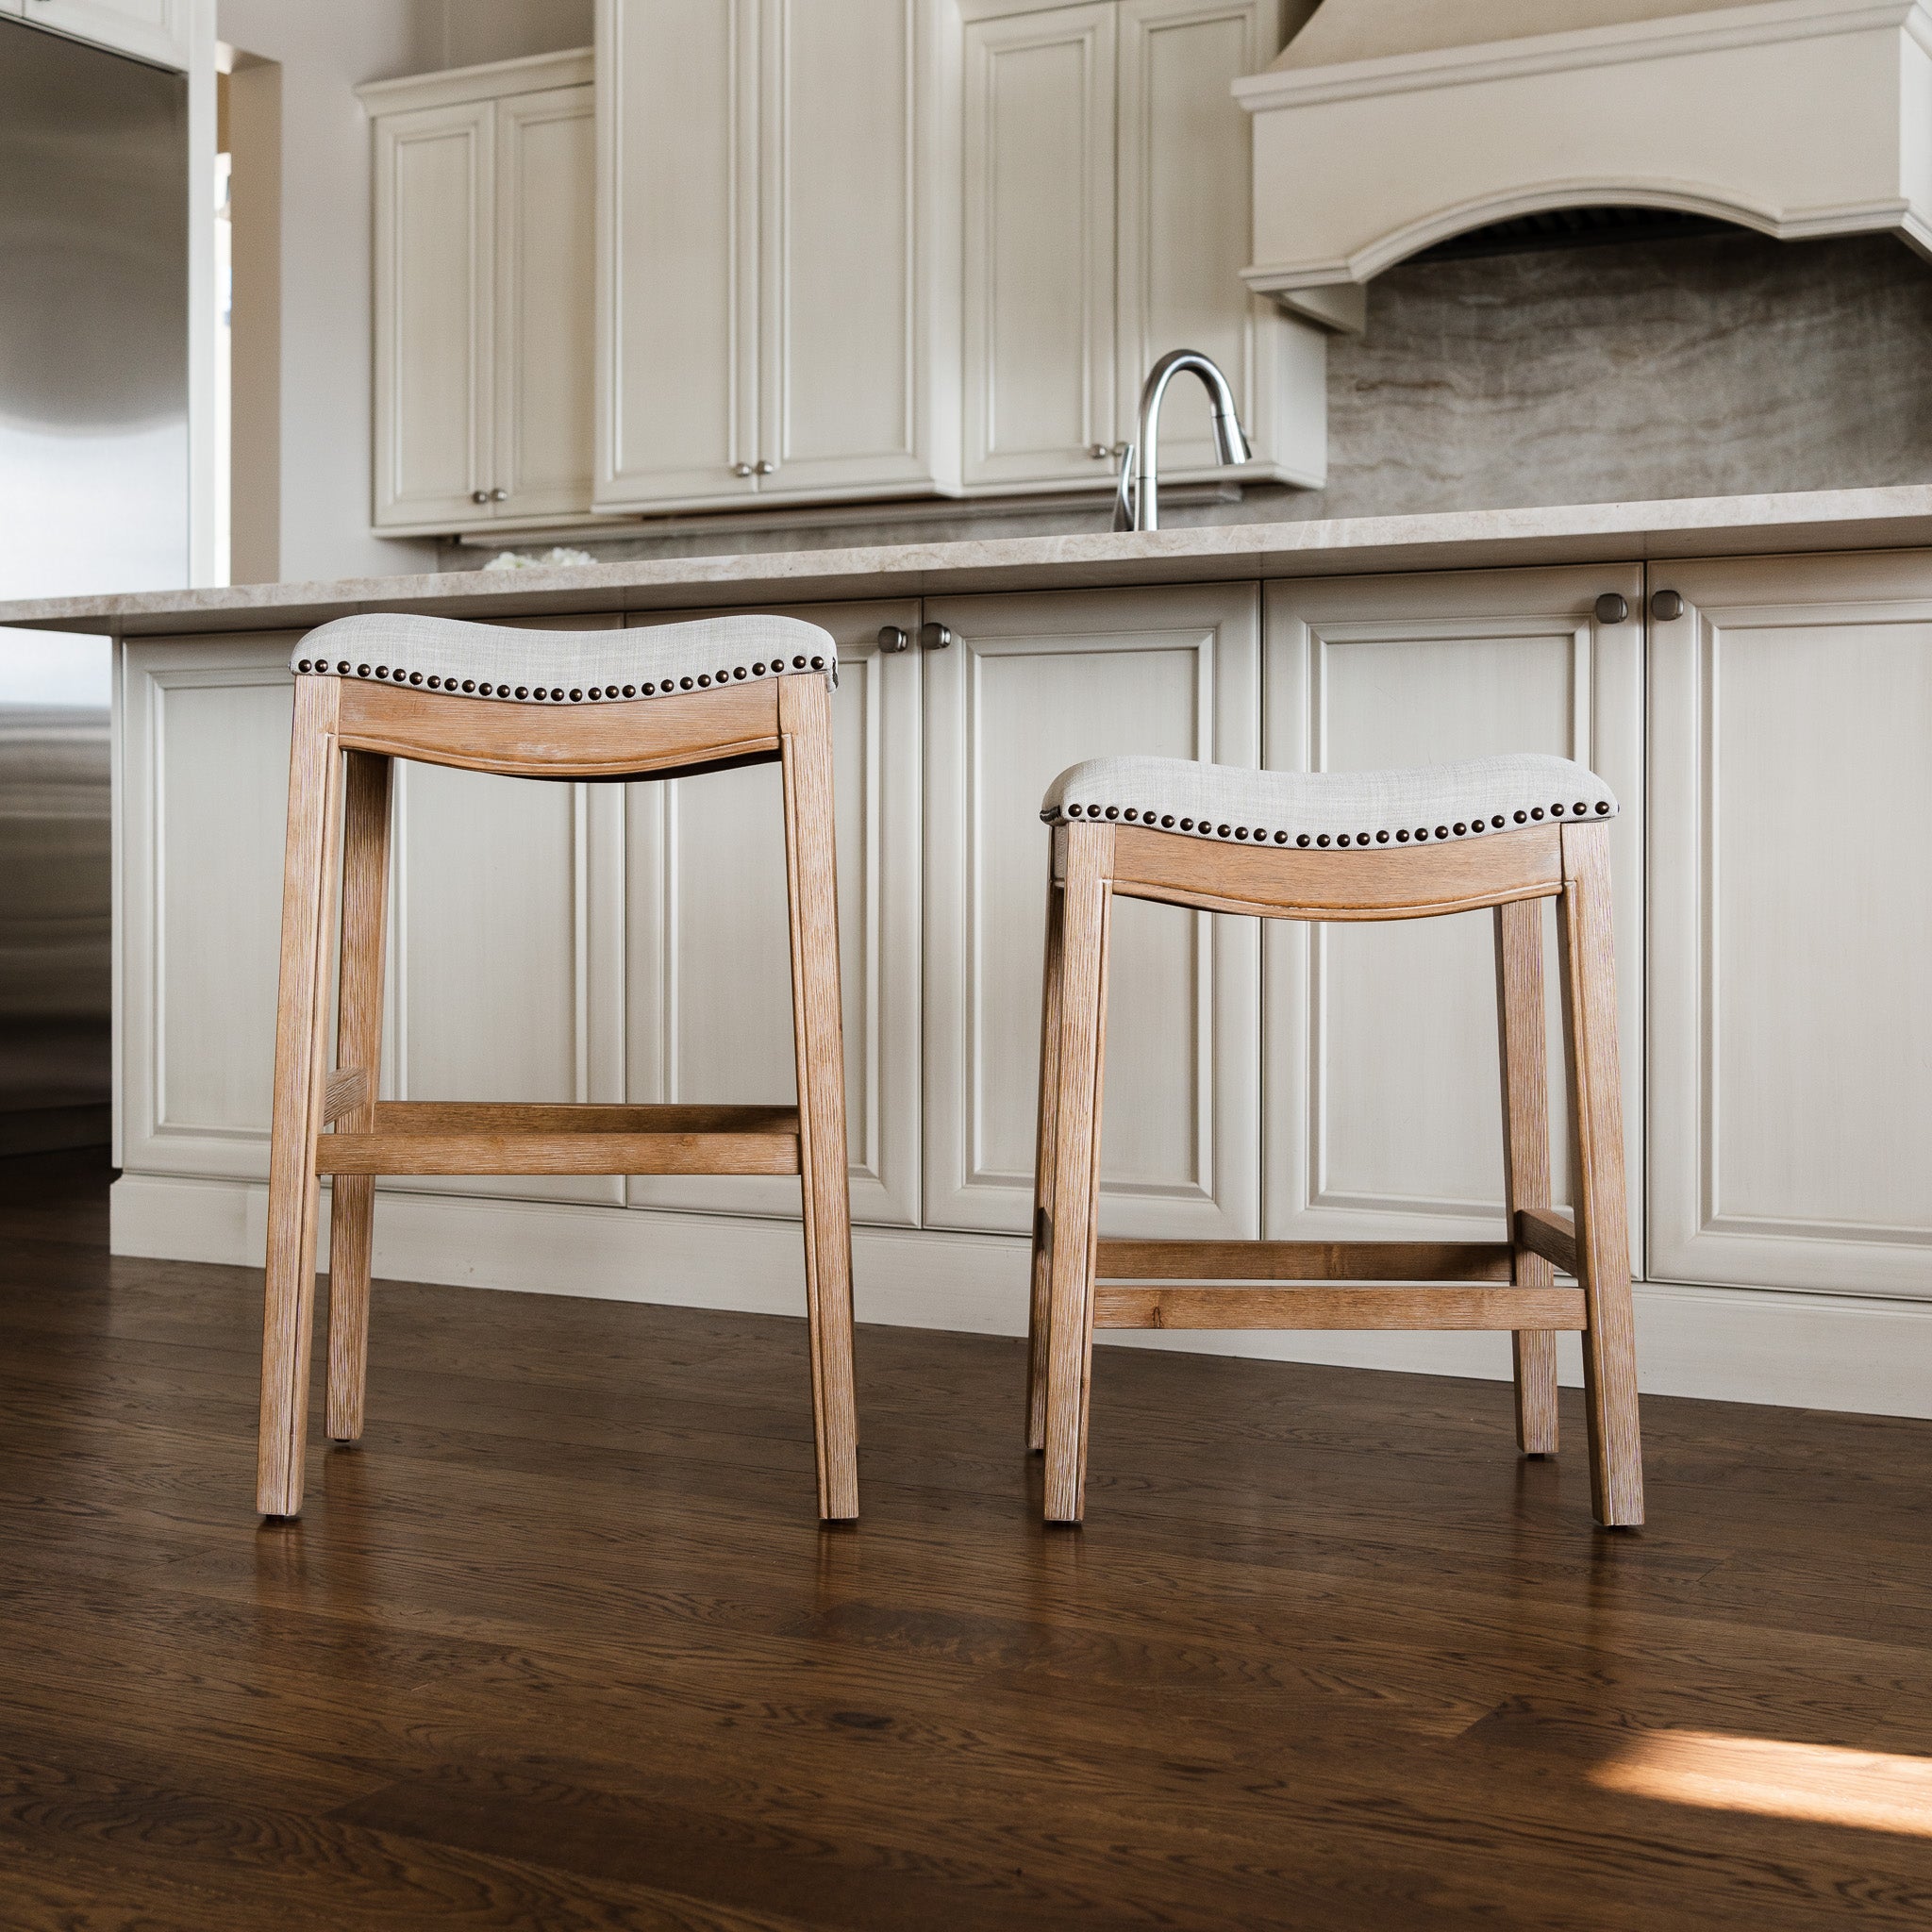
(677, 255)
(434, 272)
(505, 974)
(546, 191)
(1383, 1090)
(201, 792)
(1040, 246)
(852, 137)
(1031, 684)
(711, 972)
(1790, 1030)
(1185, 178)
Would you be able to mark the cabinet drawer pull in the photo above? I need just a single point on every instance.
(891, 638)
(933, 637)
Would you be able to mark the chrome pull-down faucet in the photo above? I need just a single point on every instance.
(1137, 504)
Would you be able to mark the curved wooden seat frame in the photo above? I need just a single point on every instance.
(1081, 1282)
(346, 733)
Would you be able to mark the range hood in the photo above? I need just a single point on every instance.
(1387, 125)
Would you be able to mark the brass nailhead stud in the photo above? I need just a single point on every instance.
(303, 665)
(684, 684)
(630, 690)
(1381, 838)
(522, 691)
(818, 663)
(1113, 812)
(1281, 838)
(1461, 828)
(704, 681)
(415, 677)
(1302, 838)
(738, 671)
(1167, 823)
(757, 669)
(1557, 809)
(1421, 831)
(798, 663)
(1344, 839)
(1187, 824)
(1222, 830)
(1581, 807)
(1402, 837)
(1130, 814)
(1520, 817)
(557, 693)
(1322, 840)
(1536, 811)
(1601, 805)
(469, 684)
(343, 669)
(1497, 822)
(647, 689)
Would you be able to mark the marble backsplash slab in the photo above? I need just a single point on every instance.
(1707, 365)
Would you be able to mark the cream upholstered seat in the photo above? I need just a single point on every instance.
(498, 660)
(1414, 805)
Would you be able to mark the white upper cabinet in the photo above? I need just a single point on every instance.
(160, 31)
(1107, 203)
(777, 310)
(1039, 247)
(484, 226)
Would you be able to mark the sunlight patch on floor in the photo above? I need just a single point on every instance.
(1875, 1791)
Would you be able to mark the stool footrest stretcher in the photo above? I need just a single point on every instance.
(492, 1137)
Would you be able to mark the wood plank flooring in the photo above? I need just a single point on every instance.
(561, 1646)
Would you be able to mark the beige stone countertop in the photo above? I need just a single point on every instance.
(1892, 518)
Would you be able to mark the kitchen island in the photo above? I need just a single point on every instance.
(1753, 676)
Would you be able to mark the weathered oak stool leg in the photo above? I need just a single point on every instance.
(359, 1051)
(301, 1044)
(1037, 1323)
(1527, 1153)
(1079, 1068)
(818, 1028)
(1603, 1233)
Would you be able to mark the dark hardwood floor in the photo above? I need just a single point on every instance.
(560, 1646)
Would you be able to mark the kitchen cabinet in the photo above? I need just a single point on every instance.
(778, 258)
(160, 32)
(1028, 685)
(1106, 194)
(483, 280)
(1791, 917)
(1383, 1115)
(709, 987)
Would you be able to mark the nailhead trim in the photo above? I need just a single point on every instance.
(1260, 836)
(556, 694)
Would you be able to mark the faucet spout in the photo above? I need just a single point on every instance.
(1138, 508)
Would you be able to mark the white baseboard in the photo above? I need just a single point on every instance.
(1867, 1355)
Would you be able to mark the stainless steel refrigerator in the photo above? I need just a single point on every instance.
(93, 497)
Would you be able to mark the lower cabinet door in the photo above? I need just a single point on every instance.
(710, 967)
(505, 966)
(1028, 685)
(1383, 1088)
(1791, 1030)
(202, 790)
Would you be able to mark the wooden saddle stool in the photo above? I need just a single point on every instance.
(531, 704)
(1505, 832)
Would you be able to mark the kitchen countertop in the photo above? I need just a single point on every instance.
(1896, 517)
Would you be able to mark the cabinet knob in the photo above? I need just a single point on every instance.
(479, 496)
(1612, 607)
(1667, 607)
(742, 470)
(893, 638)
(933, 637)
(764, 466)
(1100, 450)
(499, 496)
